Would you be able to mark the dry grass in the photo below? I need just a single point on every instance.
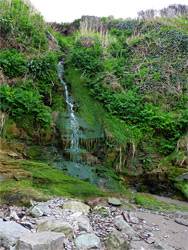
(95, 28)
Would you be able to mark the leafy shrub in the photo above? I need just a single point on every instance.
(24, 105)
(13, 63)
(5, 26)
(87, 60)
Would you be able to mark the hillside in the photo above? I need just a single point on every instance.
(127, 81)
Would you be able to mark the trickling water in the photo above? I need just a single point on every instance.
(74, 126)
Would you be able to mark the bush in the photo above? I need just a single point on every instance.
(5, 26)
(13, 63)
(24, 105)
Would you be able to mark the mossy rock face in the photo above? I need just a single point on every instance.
(11, 148)
(34, 152)
(183, 187)
(13, 131)
(22, 181)
(21, 196)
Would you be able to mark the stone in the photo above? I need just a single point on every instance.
(116, 241)
(103, 211)
(14, 215)
(127, 206)
(159, 245)
(133, 218)
(84, 223)
(56, 226)
(87, 241)
(150, 240)
(182, 221)
(10, 231)
(122, 225)
(76, 206)
(41, 241)
(39, 210)
(114, 201)
(96, 201)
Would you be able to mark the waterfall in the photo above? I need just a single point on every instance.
(74, 126)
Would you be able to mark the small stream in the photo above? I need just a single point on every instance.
(74, 125)
(74, 131)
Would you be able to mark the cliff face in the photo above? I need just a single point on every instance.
(128, 76)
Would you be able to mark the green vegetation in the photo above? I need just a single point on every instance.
(128, 82)
(28, 62)
(151, 203)
(129, 75)
(42, 182)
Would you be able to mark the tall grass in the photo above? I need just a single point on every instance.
(97, 29)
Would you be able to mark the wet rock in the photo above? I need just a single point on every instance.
(122, 225)
(41, 241)
(10, 231)
(56, 226)
(87, 241)
(76, 206)
(103, 211)
(39, 210)
(114, 201)
(116, 241)
(182, 221)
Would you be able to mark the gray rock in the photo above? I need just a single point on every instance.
(159, 245)
(76, 206)
(10, 231)
(84, 223)
(39, 210)
(182, 177)
(114, 201)
(87, 241)
(133, 218)
(56, 226)
(103, 211)
(127, 206)
(182, 221)
(116, 241)
(41, 241)
(121, 224)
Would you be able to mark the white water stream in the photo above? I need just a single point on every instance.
(74, 126)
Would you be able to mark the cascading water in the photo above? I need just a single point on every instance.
(74, 126)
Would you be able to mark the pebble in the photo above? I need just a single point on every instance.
(101, 225)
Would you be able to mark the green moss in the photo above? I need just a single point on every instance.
(183, 187)
(149, 202)
(89, 109)
(34, 152)
(46, 182)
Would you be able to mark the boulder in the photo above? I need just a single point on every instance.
(96, 201)
(182, 221)
(10, 231)
(76, 206)
(122, 225)
(114, 201)
(39, 210)
(87, 241)
(55, 225)
(116, 241)
(103, 211)
(83, 223)
(41, 241)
